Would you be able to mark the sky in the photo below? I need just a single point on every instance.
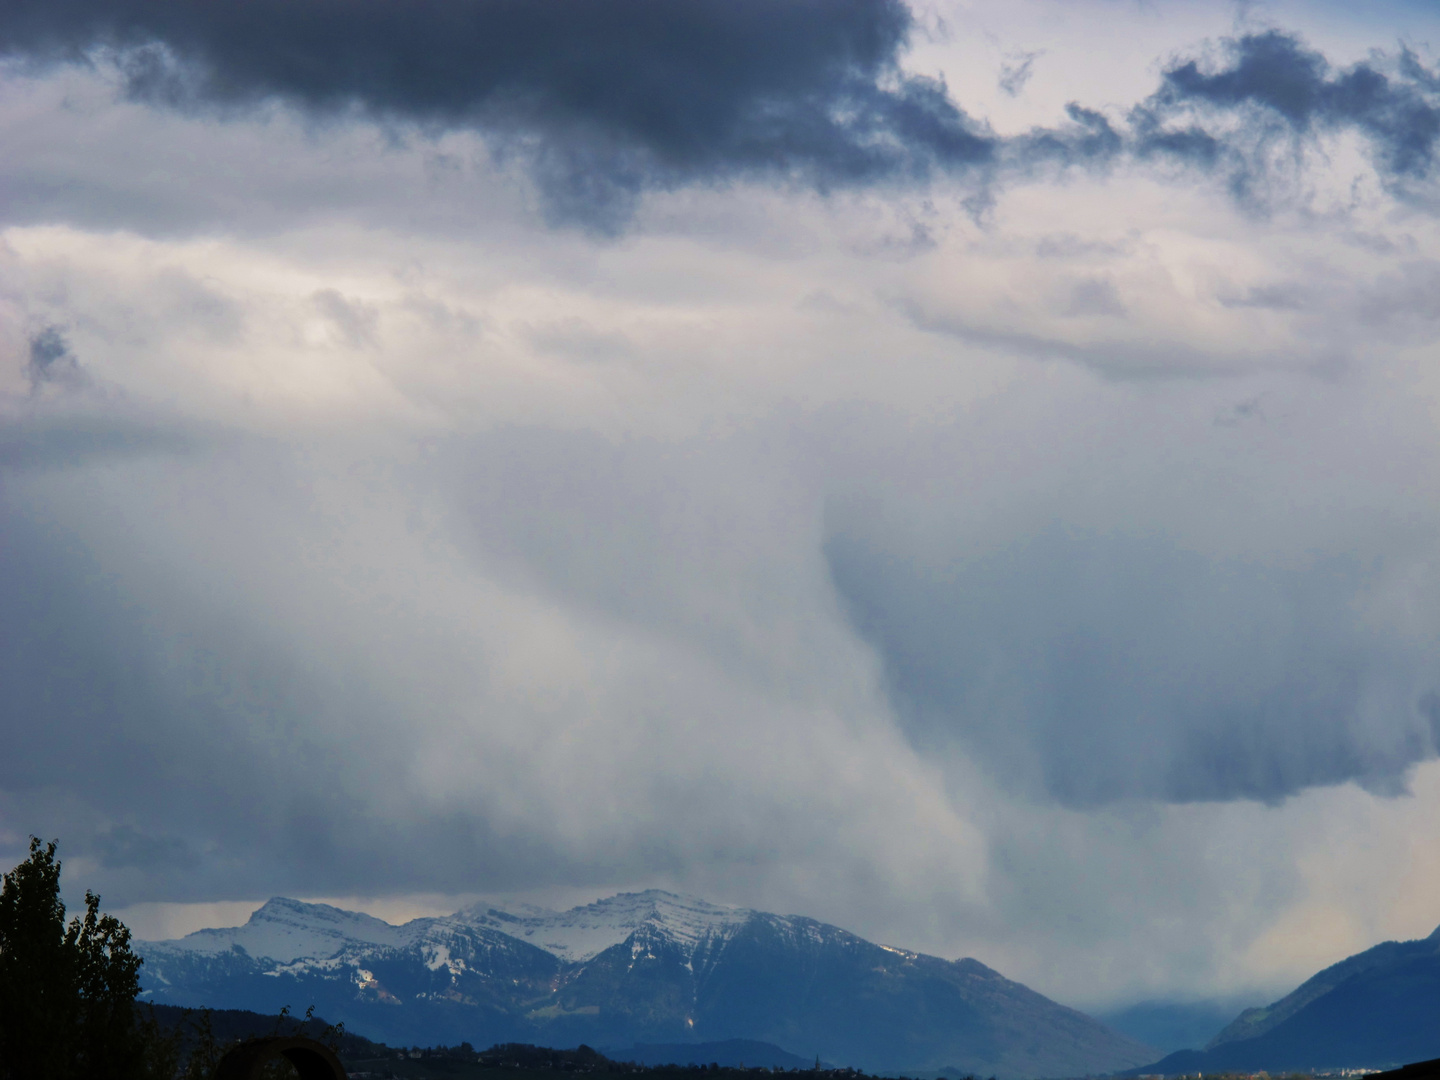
(966, 472)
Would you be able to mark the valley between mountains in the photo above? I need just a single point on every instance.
(636, 968)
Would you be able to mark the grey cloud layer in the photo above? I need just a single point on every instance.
(1079, 664)
(1092, 668)
(956, 580)
(558, 617)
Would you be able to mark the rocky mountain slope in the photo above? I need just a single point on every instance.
(634, 969)
(1376, 1009)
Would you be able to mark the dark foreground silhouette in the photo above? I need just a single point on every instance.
(1420, 1070)
(203, 1032)
(253, 1059)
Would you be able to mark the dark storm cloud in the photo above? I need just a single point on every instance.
(1246, 112)
(51, 360)
(608, 98)
(1277, 87)
(1089, 139)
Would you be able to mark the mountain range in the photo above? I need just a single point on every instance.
(637, 968)
(1376, 1009)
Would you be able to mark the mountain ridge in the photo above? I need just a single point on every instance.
(637, 968)
(1252, 1023)
(1374, 1009)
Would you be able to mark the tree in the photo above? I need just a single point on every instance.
(39, 1002)
(109, 1042)
(67, 994)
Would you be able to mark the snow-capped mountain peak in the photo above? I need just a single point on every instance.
(586, 931)
(287, 930)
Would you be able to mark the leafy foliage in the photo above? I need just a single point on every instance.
(39, 994)
(67, 993)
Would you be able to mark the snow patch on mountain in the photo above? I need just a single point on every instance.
(438, 956)
(584, 932)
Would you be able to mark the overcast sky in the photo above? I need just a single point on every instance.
(966, 472)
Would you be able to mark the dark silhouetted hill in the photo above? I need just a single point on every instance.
(1377, 1009)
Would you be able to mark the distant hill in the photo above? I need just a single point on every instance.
(645, 968)
(1377, 1009)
